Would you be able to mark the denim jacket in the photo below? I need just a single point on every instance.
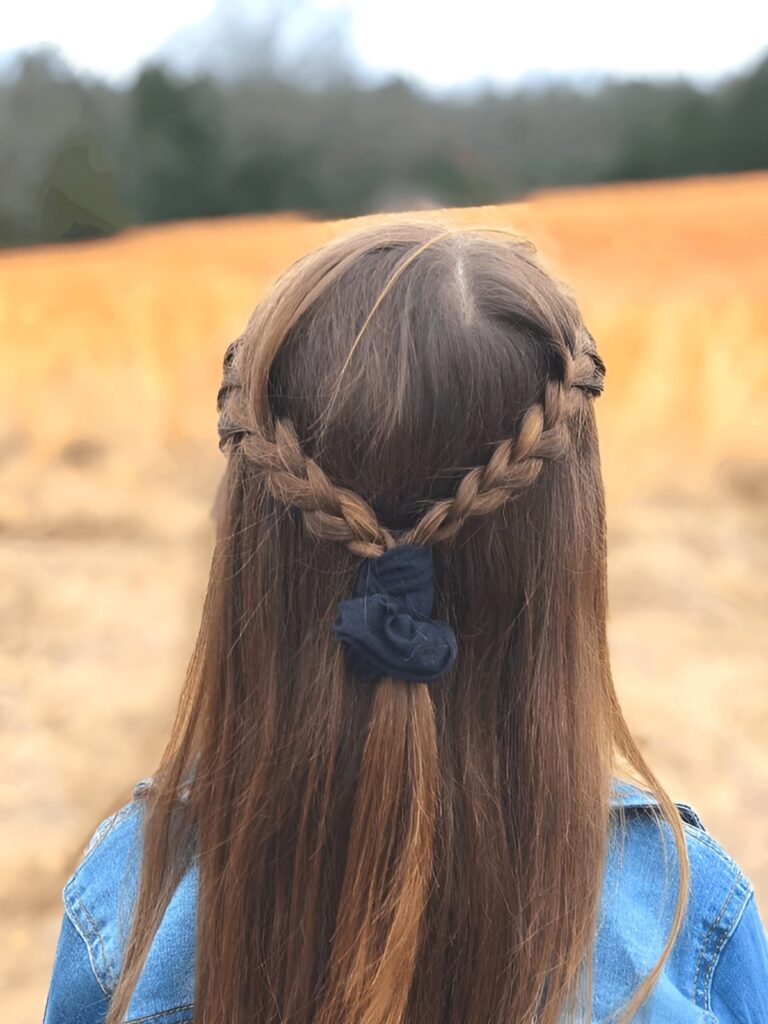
(717, 971)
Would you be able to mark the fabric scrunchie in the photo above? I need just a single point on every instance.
(386, 627)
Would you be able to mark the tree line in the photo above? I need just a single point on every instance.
(82, 158)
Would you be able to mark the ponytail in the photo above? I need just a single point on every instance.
(389, 862)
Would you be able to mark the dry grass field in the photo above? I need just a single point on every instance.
(110, 355)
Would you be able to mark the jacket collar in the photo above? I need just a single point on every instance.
(626, 794)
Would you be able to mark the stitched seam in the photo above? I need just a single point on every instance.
(726, 935)
(710, 930)
(162, 1013)
(108, 968)
(89, 931)
(84, 934)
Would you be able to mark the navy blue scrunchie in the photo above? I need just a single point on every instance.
(386, 627)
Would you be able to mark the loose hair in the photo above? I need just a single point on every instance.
(399, 852)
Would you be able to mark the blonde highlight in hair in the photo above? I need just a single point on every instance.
(399, 853)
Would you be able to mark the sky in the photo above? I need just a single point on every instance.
(430, 40)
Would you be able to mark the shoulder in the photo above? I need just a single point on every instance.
(640, 893)
(109, 850)
(99, 897)
(104, 881)
(638, 820)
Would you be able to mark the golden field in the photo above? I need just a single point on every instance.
(110, 362)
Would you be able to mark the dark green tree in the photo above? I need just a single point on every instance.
(172, 156)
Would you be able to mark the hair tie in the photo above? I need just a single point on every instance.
(386, 627)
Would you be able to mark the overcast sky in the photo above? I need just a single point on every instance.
(431, 40)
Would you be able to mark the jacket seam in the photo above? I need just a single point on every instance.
(723, 939)
(704, 954)
(160, 1014)
(710, 930)
(87, 928)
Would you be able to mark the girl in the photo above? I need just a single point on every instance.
(393, 789)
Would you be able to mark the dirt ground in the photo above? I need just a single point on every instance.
(109, 464)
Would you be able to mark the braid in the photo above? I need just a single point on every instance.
(334, 513)
(330, 512)
(515, 463)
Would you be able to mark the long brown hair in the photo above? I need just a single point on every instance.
(400, 852)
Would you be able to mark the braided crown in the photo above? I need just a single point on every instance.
(334, 513)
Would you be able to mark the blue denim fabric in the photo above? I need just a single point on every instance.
(717, 972)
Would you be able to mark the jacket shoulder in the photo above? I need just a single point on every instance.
(99, 898)
(641, 813)
(99, 893)
(641, 891)
(625, 795)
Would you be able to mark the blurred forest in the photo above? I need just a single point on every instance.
(82, 158)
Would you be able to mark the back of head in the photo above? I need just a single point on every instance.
(405, 849)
